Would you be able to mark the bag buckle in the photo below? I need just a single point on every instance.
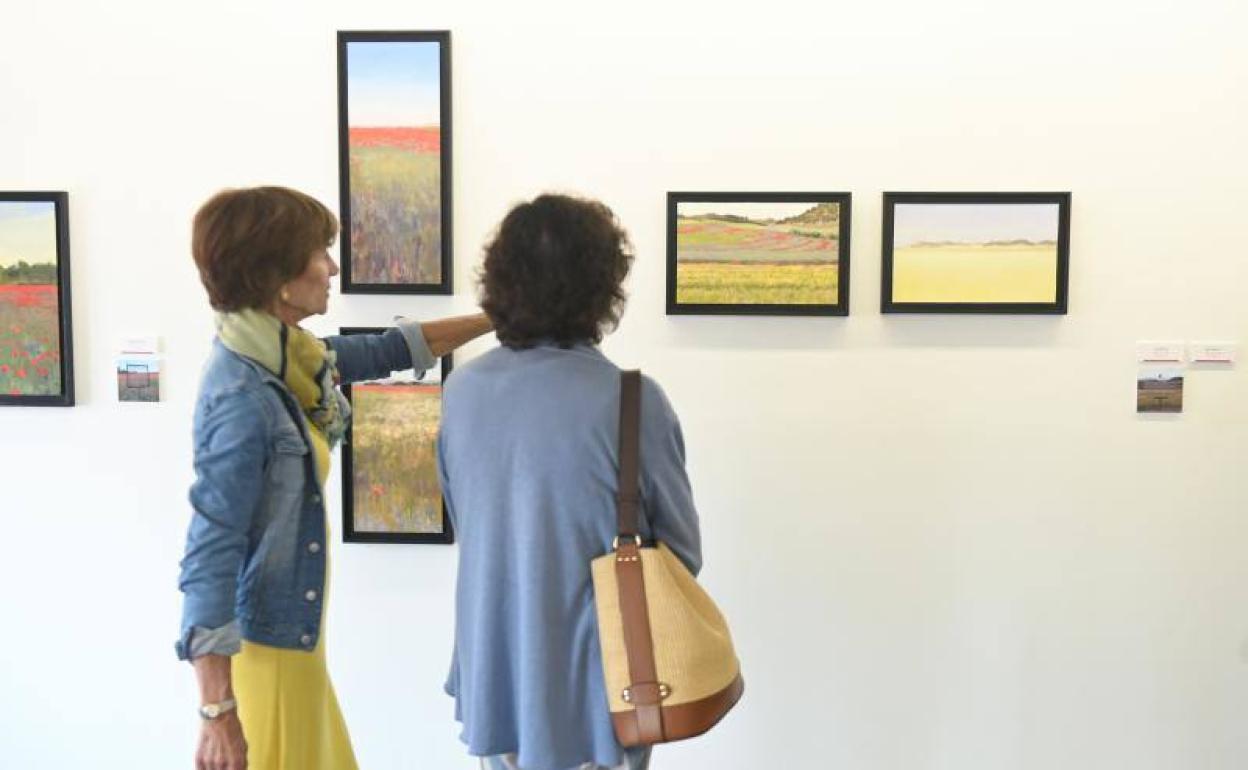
(615, 543)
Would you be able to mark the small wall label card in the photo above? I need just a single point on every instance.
(1213, 352)
(1160, 352)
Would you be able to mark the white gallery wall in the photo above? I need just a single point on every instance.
(944, 542)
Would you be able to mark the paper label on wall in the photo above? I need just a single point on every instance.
(140, 345)
(1160, 352)
(1213, 352)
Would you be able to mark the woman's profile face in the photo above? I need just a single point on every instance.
(308, 293)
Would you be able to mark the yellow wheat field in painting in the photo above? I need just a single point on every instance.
(759, 283)
(975, 273)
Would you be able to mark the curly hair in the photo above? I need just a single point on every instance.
(555, 271)
(248, 242)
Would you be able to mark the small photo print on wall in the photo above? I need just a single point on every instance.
(391, 492)
(138, 378)
(975, 252)
(757, 253)
(1159, 389)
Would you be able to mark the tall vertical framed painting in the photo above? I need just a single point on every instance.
(757, 253)
(394, 161)
(990, 252)
(36, 350)
(390, 487)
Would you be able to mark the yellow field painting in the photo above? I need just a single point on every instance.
(989, 273)
(758, 283)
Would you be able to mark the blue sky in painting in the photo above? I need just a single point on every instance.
(393, 84)
(27, 232)
(973, 222)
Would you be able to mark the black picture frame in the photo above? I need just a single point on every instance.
(352, 282)
(840, 307)
(1059, 306)
(11, 353)
(349, 533)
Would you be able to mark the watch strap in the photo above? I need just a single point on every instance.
(212, 711)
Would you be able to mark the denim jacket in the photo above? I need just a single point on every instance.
(254, 565)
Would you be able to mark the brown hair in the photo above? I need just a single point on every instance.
(248, 242)
(555, 271)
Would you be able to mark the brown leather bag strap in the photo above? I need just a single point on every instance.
(627, 499)
(645, 692)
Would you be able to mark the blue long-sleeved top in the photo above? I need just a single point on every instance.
(528, 461)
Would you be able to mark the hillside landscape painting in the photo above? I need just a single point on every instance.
(777, 254)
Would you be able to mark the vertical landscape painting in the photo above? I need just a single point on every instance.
(391, 492)
(394, 137)
(36, 361)
(758, 253)
(976, 252)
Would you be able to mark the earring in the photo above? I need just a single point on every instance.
(285, 295)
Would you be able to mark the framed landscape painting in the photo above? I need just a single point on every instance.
(390, 488)
(394, 161)
(36, 351)
(757, 253)
(976, 252)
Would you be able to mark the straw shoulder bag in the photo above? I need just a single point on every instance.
(667, 656)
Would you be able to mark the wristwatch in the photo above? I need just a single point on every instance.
(211, 711)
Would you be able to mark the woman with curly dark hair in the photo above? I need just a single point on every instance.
(527, 456)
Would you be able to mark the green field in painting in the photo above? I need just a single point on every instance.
(732, 262)
(30, 359)
(394, 461)
(975, 273)
(396, 215)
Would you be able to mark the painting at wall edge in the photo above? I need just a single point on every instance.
(36, 330)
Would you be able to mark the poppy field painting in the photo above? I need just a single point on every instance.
(394, 162)
(390, 487)
(35, 351)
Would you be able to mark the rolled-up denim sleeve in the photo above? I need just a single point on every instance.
(231, 456)
(226, 640)
(373, 356)
(667, 498)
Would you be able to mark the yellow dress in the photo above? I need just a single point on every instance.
(286, 702)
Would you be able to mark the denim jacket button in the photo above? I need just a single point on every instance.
(316, 499)
(306, 640)
(314, 547)
(310, 595)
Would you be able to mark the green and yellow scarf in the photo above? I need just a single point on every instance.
(295, 356)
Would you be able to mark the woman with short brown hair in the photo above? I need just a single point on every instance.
(254, 575)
